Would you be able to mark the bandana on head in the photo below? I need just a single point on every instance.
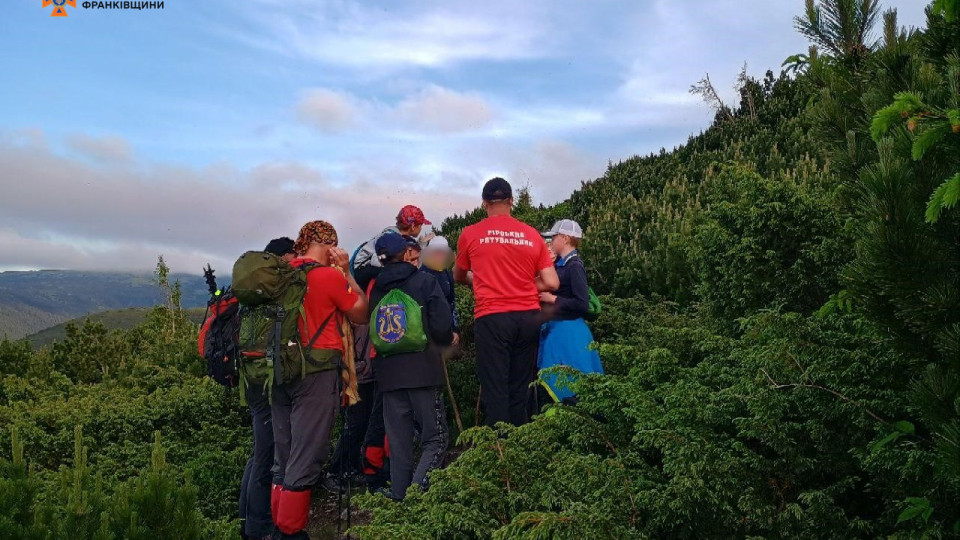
(315, 231)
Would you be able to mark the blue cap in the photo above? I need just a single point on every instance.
(393, 244)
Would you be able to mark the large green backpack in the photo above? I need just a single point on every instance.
(270, 292)
(396, 325)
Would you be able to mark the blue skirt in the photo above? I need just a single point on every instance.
(566, 343)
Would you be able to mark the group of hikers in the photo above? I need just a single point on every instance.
(371, 334)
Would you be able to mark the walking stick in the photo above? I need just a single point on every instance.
(476, 413)
(453, 400)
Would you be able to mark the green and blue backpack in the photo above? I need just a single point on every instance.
(396, 325)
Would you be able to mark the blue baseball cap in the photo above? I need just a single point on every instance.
(393, 244)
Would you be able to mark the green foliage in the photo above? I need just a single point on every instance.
(780, 336)
(125, 388)
(932, 126)
(157, 504)
(841, 27)
(945, 197)
(765, 243)
(905, 273)
(704, 436)
(949, 9)
(781, 328)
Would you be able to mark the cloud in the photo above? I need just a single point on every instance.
(358, 36)
(554, 169)
(106, 149)
(441, 110)
(551, 168)
(429, 110)
(21, 252)
(63, 212)
(327, 110)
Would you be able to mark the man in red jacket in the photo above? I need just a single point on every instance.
(508, 265)
(304, 410)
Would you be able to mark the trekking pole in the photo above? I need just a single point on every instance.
(343, 462)
(343, 418)
(453, 400)
(476, 414)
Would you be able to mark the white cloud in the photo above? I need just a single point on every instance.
(327, 110)
(443, 110)
(358, 35)
(429, 110)
(21, 252)
(108, 148)
(554, 169)
(63, 212)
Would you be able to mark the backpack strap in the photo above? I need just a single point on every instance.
(353, 258)
(319, 331)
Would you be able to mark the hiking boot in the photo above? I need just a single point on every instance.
(332, 484)
(385, 491)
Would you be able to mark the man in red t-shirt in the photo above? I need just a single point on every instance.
(507, 264)
(304, 410)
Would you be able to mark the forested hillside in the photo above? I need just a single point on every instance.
(782, 331)
(781, 335)
(114, 319)
(33, 301)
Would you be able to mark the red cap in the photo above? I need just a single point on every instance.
(411, 215)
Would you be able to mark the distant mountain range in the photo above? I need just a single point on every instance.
(114, 319)
(35, 300)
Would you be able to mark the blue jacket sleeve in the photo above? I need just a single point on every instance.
(577, 303)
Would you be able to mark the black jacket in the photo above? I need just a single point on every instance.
(573, 298)
(420, 369)
(448, 288)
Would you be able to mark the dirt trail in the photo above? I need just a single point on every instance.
(323, 515)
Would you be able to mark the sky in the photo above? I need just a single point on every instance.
(206, 128)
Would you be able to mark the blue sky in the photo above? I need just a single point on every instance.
(208, 127)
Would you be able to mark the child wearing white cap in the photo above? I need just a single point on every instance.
(565, 339)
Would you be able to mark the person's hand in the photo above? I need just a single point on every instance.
(339, 258)
(548, 298)
(456, 339)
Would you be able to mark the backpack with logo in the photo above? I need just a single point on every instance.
(270, 293)
(396, 325)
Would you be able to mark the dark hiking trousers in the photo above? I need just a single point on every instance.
(304, 411)
(375, 455)
(255, 486)
(403, 412)
(507, 364)
(347, 456)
